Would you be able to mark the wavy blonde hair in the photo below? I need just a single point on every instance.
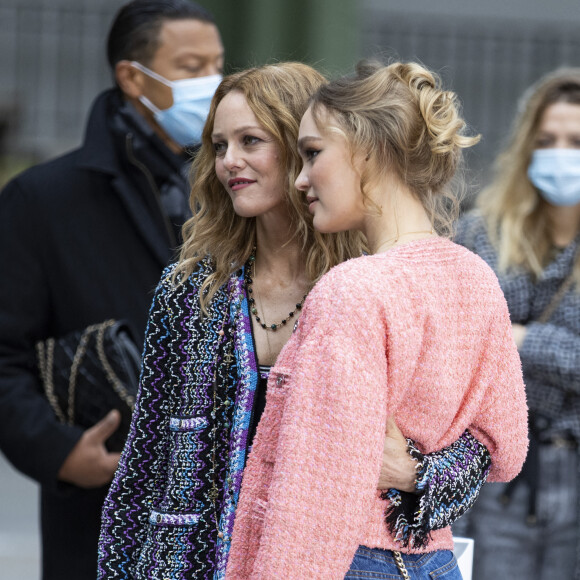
(278, 95)
(511, 206)
(404, 121)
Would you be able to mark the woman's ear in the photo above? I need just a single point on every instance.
(129, 79)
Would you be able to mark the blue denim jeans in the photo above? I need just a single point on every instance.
(376, 564)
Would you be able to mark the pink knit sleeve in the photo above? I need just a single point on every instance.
(502, 421)
(331, 439)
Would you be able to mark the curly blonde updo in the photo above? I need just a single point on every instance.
(404, 122)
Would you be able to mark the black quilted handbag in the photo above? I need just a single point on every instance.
(87, 373)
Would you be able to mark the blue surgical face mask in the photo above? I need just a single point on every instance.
(184, 120)
(556, 175)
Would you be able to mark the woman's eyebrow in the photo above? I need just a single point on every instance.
(305, 139)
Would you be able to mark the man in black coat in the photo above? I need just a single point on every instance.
(84, 238)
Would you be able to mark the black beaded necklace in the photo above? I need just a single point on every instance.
(251, 271)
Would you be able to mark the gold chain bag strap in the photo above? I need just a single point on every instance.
(87, 373)
(401, 565)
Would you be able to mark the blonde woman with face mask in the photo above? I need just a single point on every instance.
(527, 228)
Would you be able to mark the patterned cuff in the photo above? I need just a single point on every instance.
(448, 483)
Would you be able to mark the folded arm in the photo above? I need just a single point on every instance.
(443, 486)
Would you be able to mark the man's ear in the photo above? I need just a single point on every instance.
(129, 79)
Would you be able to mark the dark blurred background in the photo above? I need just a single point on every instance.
(52, 61)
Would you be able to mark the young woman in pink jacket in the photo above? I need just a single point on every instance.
(418, 330)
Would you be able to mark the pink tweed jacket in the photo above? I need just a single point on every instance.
(421, 332)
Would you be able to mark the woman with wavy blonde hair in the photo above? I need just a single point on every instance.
(526, 226)
(216, 229)
(516, 215)
(171, 506)
(418, 329)
(219, 318)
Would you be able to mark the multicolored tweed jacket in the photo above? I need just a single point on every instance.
(159, 519)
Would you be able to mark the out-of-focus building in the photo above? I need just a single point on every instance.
(52, 64)
(52, 61)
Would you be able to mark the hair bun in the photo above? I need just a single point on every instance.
(405, 122)
(439, 109)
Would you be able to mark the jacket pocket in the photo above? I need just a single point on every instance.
(186, 461)
(187, 424)
(166, 531)
(160, 518)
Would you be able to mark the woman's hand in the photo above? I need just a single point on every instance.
(519, 332)
(399, 468)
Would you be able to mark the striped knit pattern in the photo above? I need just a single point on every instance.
(158, 520)
(449, 482)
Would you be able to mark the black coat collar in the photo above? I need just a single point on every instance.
(104, 137)
(98, 151)
(113, 130)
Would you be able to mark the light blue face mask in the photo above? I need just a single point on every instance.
(556, 175)
(184, 120)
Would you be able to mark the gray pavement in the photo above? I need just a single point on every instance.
(19, 526)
